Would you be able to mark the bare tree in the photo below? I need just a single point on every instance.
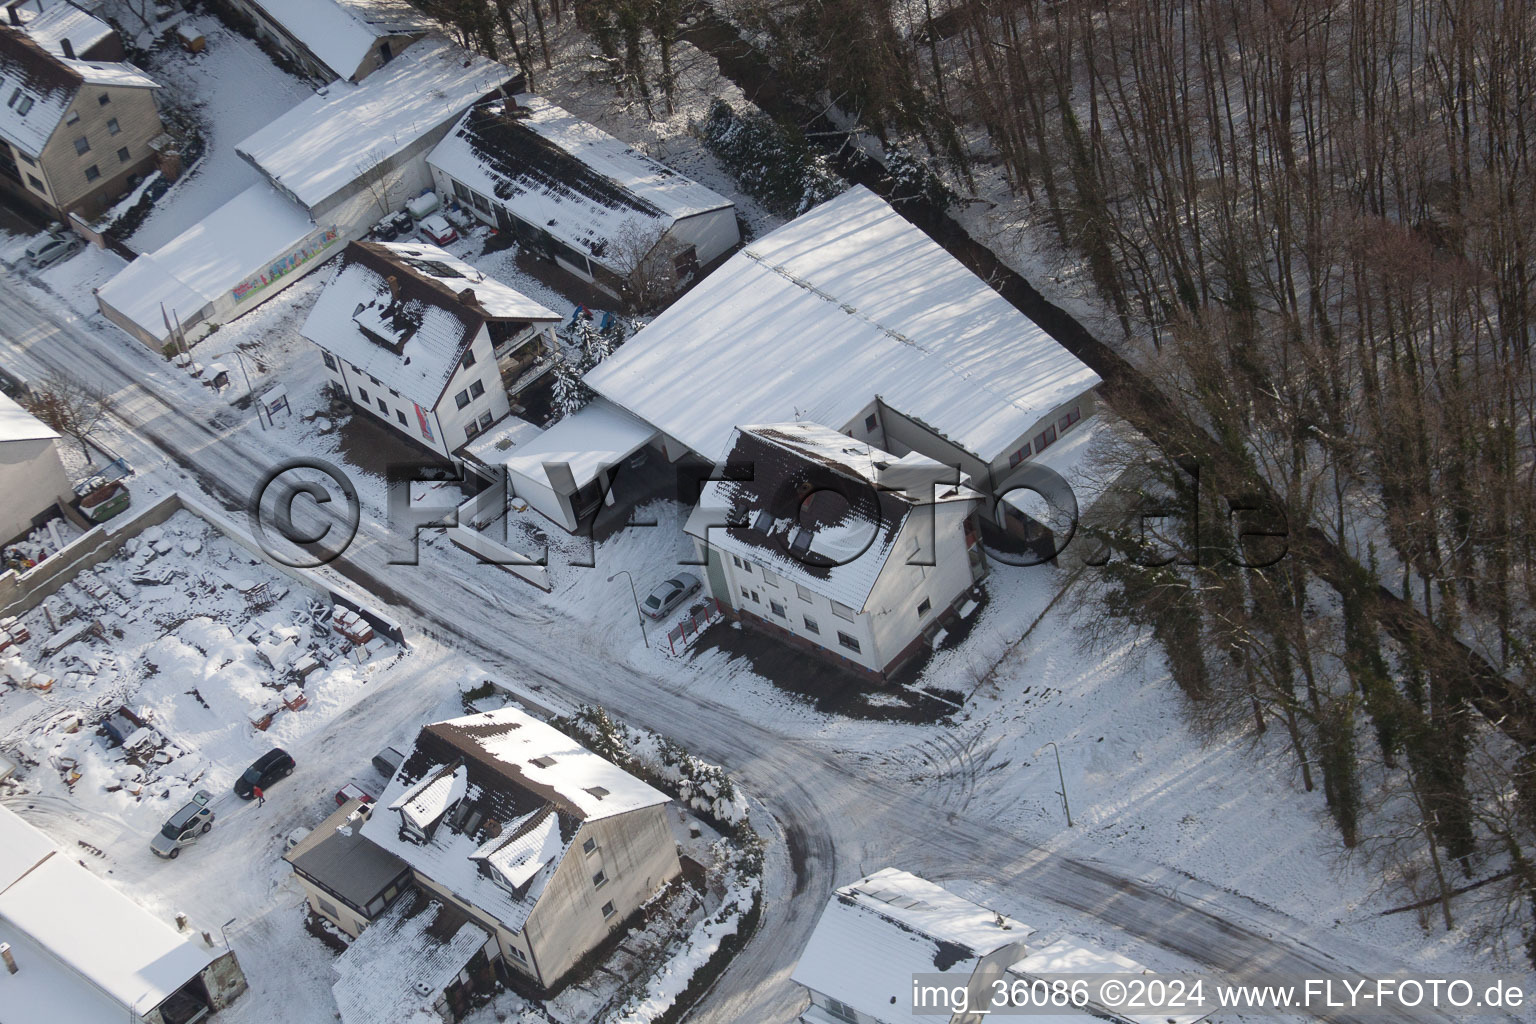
(70, 407)
(647, 256)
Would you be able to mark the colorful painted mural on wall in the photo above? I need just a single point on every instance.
(307, 251)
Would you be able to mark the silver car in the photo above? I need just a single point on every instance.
(185, 827)
(48, 250)
(670, 594)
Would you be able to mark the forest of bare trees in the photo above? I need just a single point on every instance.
(1312, 221)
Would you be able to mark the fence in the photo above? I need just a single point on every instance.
(686, 631)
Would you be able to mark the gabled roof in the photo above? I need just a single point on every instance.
(410, 334)
(37, 87)
(51, 26)
(341, 32)
(568, 177)
(126, 953)
(875, 934)
(527, 788)
(16, 424)
(813, 321)
(344, 131)
(394, 971)
(816, 506)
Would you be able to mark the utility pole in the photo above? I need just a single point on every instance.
(1061, 779)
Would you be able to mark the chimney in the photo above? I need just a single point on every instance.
(5, 952)
(68, 48)
(394, 288)
(467, 296)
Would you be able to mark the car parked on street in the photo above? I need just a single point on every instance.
(269, 767)
(50, 249)
(670, 594)
(352, 791)
(438, 231)
(185, 827)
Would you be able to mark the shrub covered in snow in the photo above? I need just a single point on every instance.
(772, 164)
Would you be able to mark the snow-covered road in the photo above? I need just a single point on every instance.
(835, 820)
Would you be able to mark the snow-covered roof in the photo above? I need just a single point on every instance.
(37, 87)
(22, 847)
(208, 259)
(323, 145)
(394, 971)
(1070, 955)
(814, 320)
(16, 424)
(875, 934)
(528, 788)
(595, 437)
(412, 334)
(341, 32)
(568, 177)
(51, 26)
(129, 955)
(815, 506)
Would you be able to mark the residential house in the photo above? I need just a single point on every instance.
(335, 39)
(334, 165)
(888, 936)
(32, 478)
(85, 953)
(541, 843)
(420, 338)
(76, 133)
(347, 879)
(597, 207)
(835, 545)
(851, 317)
(67, 30)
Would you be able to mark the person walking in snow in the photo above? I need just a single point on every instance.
(261, 797)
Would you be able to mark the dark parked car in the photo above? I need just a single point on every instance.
(388, 761)
(273, 765)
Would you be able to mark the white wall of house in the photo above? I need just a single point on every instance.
(371, 194)
(907, 599)
(799, 609)
(712, 234)
(450, 423)
(31, 479)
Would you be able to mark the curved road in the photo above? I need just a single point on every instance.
(835, 822)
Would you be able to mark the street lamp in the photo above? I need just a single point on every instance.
(248, 390)
(633, 594)
(1063, 780)
(226, 924)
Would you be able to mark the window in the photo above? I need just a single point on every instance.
(842, 611)
(376, 382)
(487, 420)
(401, 417)
(924, 606)
(589, 845)
(461, 399)
(103, 100)
(517, 954)
(74, 116)
(82, 145)
(383, 408)
(847, 641)
(92, 173)
(777, 608)
(24, 106)
(840, 1010)
(1072, 416)
(326, 908)
(460, 191)
(32, 180)
(805, 595)
(113, 127)
(745, 592)
(769, 577)
(476, 389)
(362, 393)
(869, 423)
(810, 625)
(600, 879)
(1019, 456)
(469, 358)
(26, 159)
(470, 430)
(756, 598)
(123, 155)
(608, 909)
(330, 362)
(1045, 438)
